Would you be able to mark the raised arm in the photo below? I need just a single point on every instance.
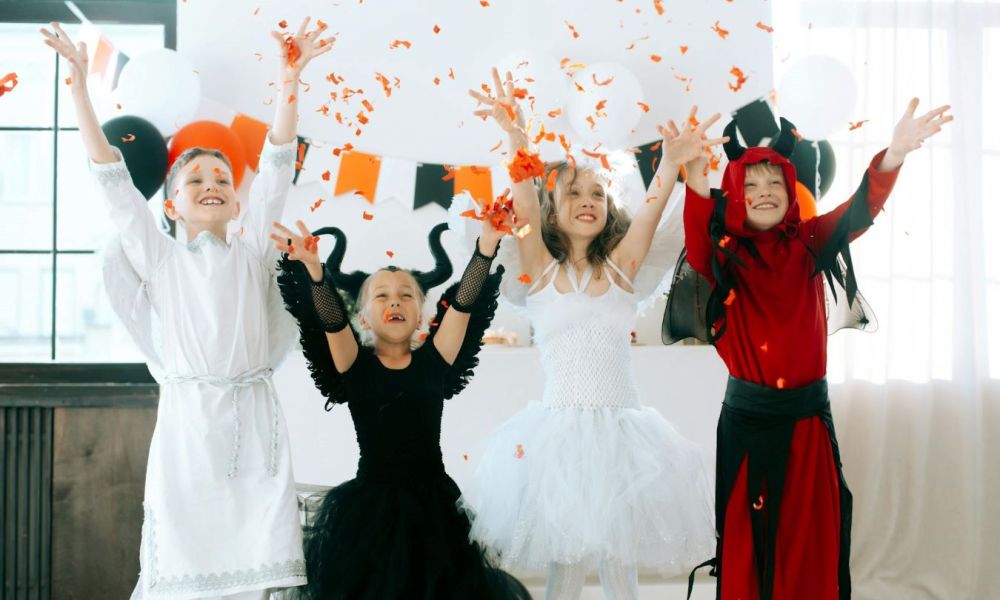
(94, 141)
(677, 147)
(270, 186)
(505, 110)
(450, 336)
(851, 218)
(142, 239)
(313, 300)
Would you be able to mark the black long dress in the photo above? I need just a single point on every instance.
(395, 531)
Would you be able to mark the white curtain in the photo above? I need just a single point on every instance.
(917, 404)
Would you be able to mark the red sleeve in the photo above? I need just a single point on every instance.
(879, 184)
(697, 217)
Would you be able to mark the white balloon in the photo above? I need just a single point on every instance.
(619, 100)
(541, 76)
(161, 87)
(817, 94)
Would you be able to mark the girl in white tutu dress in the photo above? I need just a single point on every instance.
(589, 477)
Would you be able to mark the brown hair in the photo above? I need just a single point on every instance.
(766, 166)
(557, 242)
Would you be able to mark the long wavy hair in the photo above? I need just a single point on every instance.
(556, 240)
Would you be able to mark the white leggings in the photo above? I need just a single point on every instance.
(565, 582)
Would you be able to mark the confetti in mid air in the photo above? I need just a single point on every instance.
(524, 278)
(8, 83)
(367, 216)
(740, 78)
(763, 27)
(722, 33)
(855, 124)
(525, 165)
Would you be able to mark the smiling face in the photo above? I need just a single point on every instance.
(581, 203)
(201, 191)
(391, 301)
(766, 196)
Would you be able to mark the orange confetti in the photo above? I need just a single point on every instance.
(643, 106)
(325, 176)
(524, 278)
(325, 110)
(315, 206)
(602, 157)
(437, 29)
(386, 316)
(385, 83)
(725, 240)
(367, 216)
(291, 98)
(722, 33)
(856, 124)
(362, 118)
(483, 3)
(519, 451)
(334, 79)
(390, 253)
(601, 83)
(451, 73)
(397, 43)
(292, 50)
(572, 29)
(764, 27)
(168, 204)
(764, 347)
(465, 457)
(368, 105)
(684, 49)
(69, 81)
(525, 165)
(655, 58)
(740, 78)
(600, 105)
(730, 298)
(658, 5)
(781, 383)
(555, 113)
(437, 81)
(282, 23)
(550, 183)
(500, 143)
(129, 138)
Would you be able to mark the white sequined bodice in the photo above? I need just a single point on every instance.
(584, 342)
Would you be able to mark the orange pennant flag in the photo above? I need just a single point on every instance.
(475, 180)
(252, 133)
(359, 174)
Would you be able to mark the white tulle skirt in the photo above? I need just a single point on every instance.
(586, 484)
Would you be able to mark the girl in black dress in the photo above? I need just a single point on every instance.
(394, 531)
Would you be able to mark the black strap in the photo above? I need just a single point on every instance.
(708, 563)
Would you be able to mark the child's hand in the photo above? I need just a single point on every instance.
(911, 131)
(688, 147)
(297, 50)
(76, 55)
(503, 108)
(492, 233)
(303, 246)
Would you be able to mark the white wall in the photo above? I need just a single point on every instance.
(431, 123)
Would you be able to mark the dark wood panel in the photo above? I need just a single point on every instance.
(98, 475)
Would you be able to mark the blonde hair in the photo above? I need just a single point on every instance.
(556, 240)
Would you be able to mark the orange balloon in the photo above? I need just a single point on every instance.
(209, 134)
(807, 204)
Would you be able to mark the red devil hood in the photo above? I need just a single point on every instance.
(734, 176)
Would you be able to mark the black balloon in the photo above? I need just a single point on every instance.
(143, 148)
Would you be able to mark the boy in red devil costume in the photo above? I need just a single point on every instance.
(783, 510)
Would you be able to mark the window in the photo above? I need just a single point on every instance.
(52, 224)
